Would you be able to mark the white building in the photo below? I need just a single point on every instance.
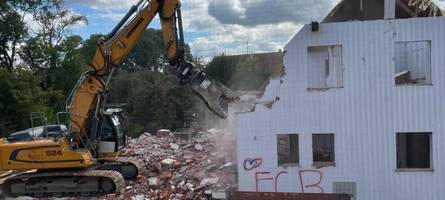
(361, 108)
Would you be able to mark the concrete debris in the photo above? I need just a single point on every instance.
(209, 181)
(138, 197)
(153, 181)
(178, 169)
(168, 161)
(219, 195)
(404, 77)
(183, 135)
(185, 169)
(174, 146)
(226, 165)
(164, 133)
(20, 198)
(199, 147)
(249, 101)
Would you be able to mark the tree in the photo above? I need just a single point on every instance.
(34, 54)
(248, 75)
(20, 96)
(54, 22)
(154, 96)
(89, 47)
(221, 68)
(238, 72)
(72, 64)
(148, 54)
(197, 61)
(22, 91)
(155, 100)
(13, 29)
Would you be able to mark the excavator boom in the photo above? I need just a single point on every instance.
(89, 94)
(86, 161)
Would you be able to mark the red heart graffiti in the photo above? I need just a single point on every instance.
(252, 163)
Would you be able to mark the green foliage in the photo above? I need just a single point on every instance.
(33, 54)
(20, 95)
(44, 48)
(221, 69)
(51, 61)
(54, 21)
(72, 65)
(154, 97)
(248, 76)
(39, 46)
(135, 130)
(155, 100)
(238, 72)
(148, 54)
(49, 64)
(89, 47)
(13, 30)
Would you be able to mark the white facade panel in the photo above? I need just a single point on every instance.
(365, 115)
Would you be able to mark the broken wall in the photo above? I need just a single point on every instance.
(362, 10)
(364, 115)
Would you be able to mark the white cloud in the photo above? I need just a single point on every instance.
(34, 26)
(232, 38)
(225, 26)
(212, 29)
(31, 23)
(257, 12)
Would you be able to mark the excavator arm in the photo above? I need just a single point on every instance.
(114, 47)
(86, 102)
(90, 153)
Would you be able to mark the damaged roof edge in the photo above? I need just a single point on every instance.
(365, 10)
(250, 100)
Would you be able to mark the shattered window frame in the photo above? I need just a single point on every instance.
(414, 151)
(412, 70)
(325, 67)
(290, 143)
(323, 149)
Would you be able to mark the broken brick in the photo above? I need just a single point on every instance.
(177, 169)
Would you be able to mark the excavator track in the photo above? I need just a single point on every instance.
(85, 183)
(129, 167)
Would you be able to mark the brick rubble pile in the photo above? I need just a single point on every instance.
(202, 168)
(175, 169)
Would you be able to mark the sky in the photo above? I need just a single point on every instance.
(213, 27)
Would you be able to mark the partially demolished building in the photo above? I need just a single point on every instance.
(360, 110)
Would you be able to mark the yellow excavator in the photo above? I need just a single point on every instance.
(86, 161)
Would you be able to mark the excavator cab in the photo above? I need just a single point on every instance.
(113, 137)
(112, 132)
